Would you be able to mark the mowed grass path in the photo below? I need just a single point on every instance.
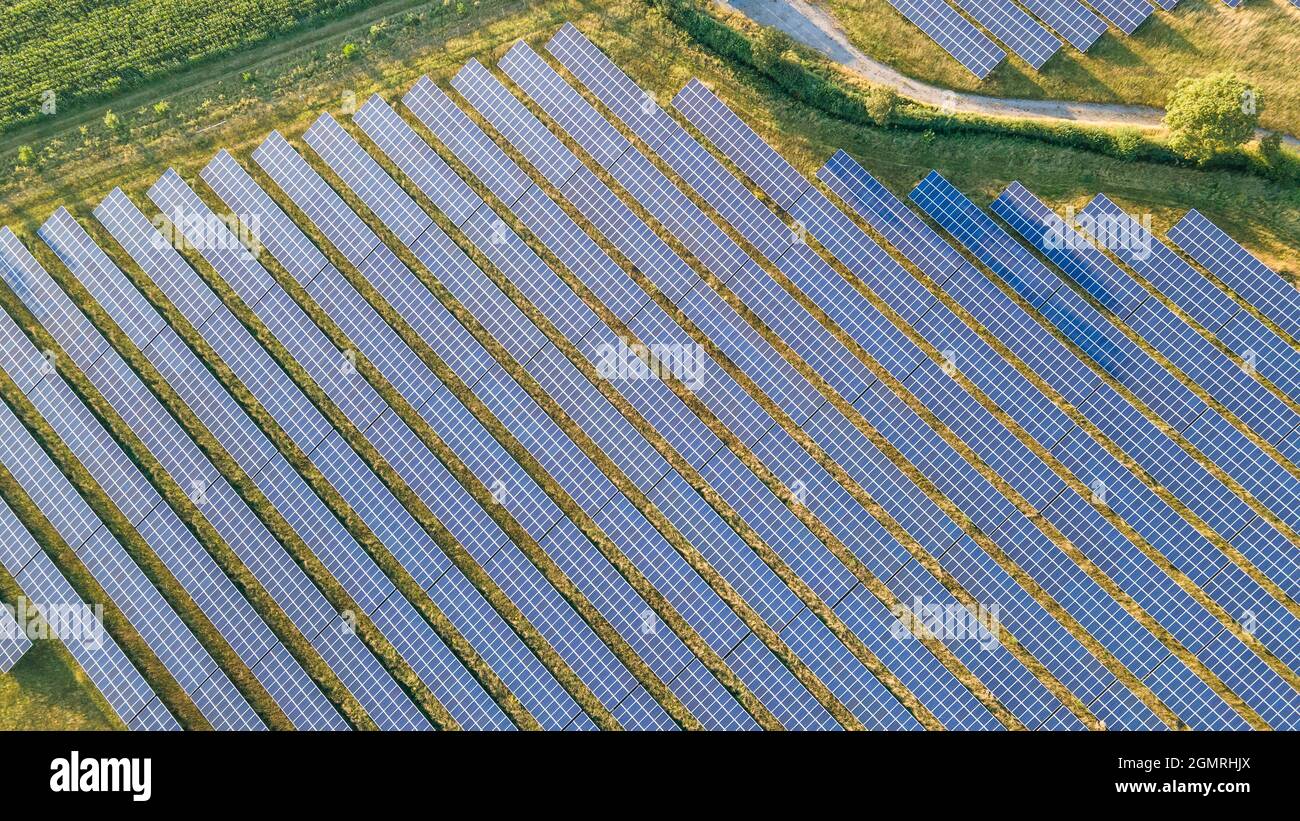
(291, 86)
(1260, 40)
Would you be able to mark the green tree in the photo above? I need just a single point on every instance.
(26, 156)
(769, 49)
(1210, 115)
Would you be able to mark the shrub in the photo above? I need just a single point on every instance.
(350, 51)
(1211, 115)
(26, 156)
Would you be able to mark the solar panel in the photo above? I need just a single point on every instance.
(67, 614)
(650, 408)
(1125, 495)
(1036, 222)
(556, 452)
(290, 685)
(1151, 383)
(570, 47)
(14, 643)
(360, 672)
(374, 504)
(1252, 280)
(1071, 516)
(328, 133)
(1125, 15)
(1270, 356)
(572, 111)
(1022, 33)
(953, 33)
(943, 213)
(123, 580)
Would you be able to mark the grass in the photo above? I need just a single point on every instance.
(1258, 40)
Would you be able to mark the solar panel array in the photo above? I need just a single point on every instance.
(1033, 33)
(682, 464)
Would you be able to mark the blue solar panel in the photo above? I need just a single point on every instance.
(722, 473)
(1254, 694)
(126, 584)
(1112, 351)
(341, 151)
(1091, 463)
(1022, 33)
(1126, 15)
(97, 653)
(217, 410)
(1253, 281)
(559, 455)
(301, 700)
(1212, 309)
(576, 53)
(954, 33)
(14, 643)
(1071, 19)
(533, 428)
(1073, 520)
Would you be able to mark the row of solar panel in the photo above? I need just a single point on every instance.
(784, 184)
(861, 620)
(1028, 31)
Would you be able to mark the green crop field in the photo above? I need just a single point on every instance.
(81, 51)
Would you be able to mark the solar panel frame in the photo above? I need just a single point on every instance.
(1071, 19)
(198, 388)
(1026, 38)
(727, 126)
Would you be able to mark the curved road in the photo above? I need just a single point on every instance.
(816, 28)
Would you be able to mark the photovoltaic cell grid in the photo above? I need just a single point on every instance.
(1217, 313)
(1069, 18)
(953, 33)
(346, 559)
(569, 42)
(944, 207)
(1022, 33)
(296, 594)
(541, 359)
(658, 399)
(1126, 15)
(288, 683)
(1164, 530)
(707, 470)
(1164, 394)
(751, 659)
(372, 500)
(545, 86)
(67, 614)
(1205, 496)
(721, 125)
(1236, 267)
(309, 191)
